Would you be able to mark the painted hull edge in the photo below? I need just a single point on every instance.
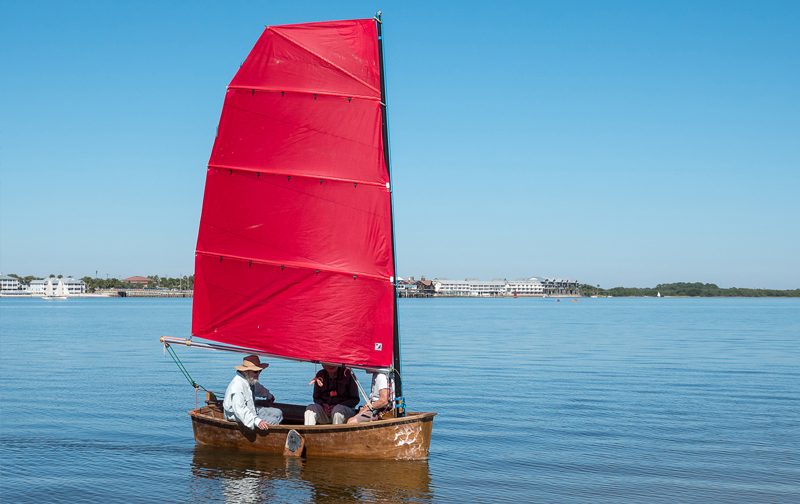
(406, 438)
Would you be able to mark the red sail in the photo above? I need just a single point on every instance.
(294, 254)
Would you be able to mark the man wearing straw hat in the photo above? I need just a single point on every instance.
(239, 403)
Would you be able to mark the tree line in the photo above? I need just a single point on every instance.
(687, 289)
(185, 282)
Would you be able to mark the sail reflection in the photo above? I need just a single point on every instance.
(249, 478)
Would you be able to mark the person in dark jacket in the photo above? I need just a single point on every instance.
(335, 396)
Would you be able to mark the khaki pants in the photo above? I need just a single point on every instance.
(339, 414)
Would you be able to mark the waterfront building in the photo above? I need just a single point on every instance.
(74, 286)
(560, 287)
(406, 287)
(529, 287)
(8, 283)
(138, 281)
(480, 288)
(425, 287)
(37, 286)
(492, 288)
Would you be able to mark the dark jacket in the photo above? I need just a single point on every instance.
(341, 389)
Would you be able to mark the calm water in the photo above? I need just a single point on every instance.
(602, 400)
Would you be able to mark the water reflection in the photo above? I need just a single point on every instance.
(251, 478)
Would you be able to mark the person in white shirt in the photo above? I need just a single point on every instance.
(239, 403)
(380, 400)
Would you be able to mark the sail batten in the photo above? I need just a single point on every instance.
(295, 264)
(305, 91)
(294, 251)
(286, 173)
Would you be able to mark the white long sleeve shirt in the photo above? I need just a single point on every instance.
(239, 404)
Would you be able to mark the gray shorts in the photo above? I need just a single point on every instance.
(272, 416)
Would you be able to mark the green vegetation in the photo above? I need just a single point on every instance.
(93, 284)
(687, 289)
(155, 282)
(26, 280)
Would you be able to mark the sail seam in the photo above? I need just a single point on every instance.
(304, 91)
(326, 60)
(292, 264)
(292, 174)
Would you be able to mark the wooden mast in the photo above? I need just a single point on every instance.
(398, 379)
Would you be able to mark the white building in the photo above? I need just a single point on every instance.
(8, 283)
(37, 287)
(73, 286)
(482, 288)
(529, 287)
(491, 288)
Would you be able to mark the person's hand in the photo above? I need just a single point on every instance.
(316, 380)
(263, 425)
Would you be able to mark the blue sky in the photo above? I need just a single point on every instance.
(619, 143)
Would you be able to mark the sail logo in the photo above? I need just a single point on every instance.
(378, 347)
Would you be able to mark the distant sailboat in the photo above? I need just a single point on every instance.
(59, 293)
(658, 294)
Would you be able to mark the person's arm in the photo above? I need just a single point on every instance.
(382, 401)
(318, 382)
(244, 414)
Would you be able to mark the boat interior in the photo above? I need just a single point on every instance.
(293, 414)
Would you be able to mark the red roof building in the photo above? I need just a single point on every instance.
(137, 280)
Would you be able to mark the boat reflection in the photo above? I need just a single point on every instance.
(250, 478)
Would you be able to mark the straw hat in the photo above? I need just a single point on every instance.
(252, 363)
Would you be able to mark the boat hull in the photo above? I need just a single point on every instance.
(406, 438)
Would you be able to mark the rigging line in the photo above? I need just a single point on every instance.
(363, 394)
(326, 60)
(291, 264)
(183, 369)
(303, 91)
(288, 174)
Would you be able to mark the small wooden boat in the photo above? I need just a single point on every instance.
(404, 438)
(295, 253)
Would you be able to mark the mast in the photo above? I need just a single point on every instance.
(398, 380)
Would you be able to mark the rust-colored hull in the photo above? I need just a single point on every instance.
(406, 438)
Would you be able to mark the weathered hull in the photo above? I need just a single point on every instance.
(406, 438)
